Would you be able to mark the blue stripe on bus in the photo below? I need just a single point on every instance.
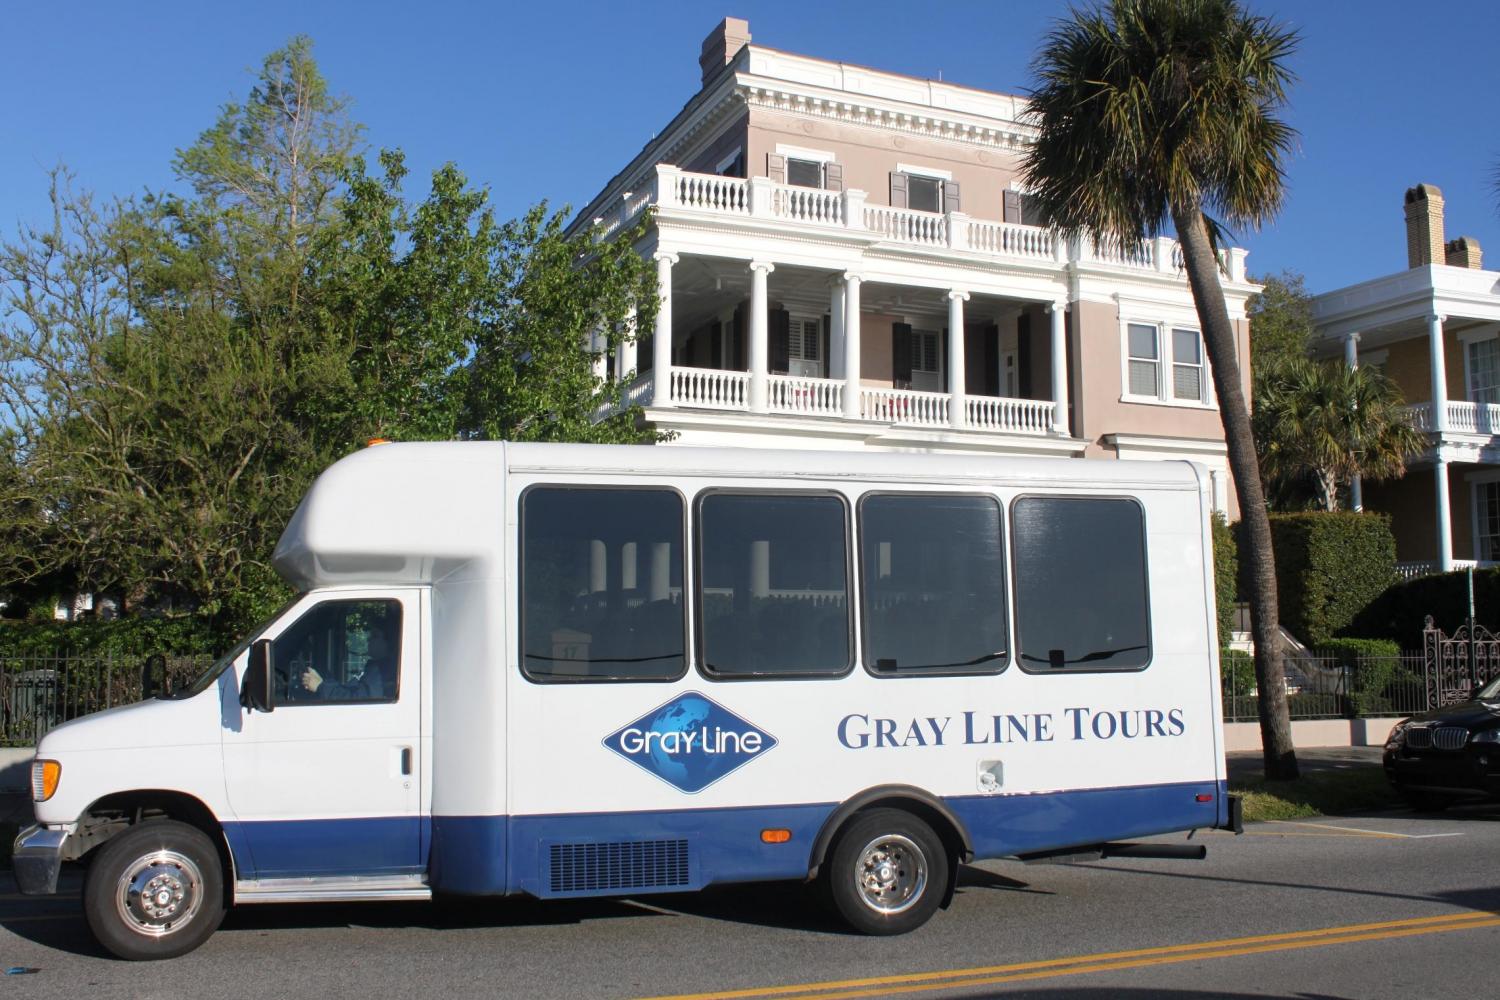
(495, 855)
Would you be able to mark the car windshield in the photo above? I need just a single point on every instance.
(1490, 692)
(222, 663)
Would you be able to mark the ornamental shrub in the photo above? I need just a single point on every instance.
(1371, 665)
(1398, 612)
(132, 636)
(1226, 573)
(1329, 566)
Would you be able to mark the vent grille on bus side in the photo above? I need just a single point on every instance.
(641, 864)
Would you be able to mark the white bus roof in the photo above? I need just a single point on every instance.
(419, 513)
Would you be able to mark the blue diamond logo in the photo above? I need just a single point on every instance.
(690, 742)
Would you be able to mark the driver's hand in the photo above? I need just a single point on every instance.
(311, 680)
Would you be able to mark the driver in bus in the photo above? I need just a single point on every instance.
(374, 682)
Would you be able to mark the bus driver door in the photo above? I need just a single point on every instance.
(328, 783)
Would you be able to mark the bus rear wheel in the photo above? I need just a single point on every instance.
(154, 891)
(888, 872)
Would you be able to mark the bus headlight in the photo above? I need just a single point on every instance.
(45, 774)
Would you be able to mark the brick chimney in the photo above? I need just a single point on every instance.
(1464, 252)
(1424, 226)
(722, 45)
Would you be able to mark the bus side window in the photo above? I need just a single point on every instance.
(601, 585)
(773, 584)
(932, 570)
(1080, 582)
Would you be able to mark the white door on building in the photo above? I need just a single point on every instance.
(926, 361)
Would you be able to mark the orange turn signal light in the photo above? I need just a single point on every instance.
(374, 441)
(775, 836)
(45, 774)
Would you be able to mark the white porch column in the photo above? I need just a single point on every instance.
(851, 345)
(598, 346)
(1059, 311)
(835, 328)
(759, 337)
(1351, 358)
(628, 348)
(957, 408)
(1444, 528)
(661, 348)
(1439, 374)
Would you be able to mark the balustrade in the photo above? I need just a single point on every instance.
(905, 406)
(1003, 413)
(711, 387)
(907, 226)
(797, 394)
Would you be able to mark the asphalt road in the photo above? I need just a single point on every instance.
(1392, 905)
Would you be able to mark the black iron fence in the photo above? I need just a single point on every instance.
(1331, 687)
(38, 693)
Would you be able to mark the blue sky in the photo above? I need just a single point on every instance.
(548, 100)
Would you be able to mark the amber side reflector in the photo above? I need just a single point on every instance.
(374, 441)
(45, 775)
(775, 836)
(1205, 798)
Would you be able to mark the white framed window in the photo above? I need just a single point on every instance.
(1165, 364)
(805, 347)
(1487, 516)
(806, 167)
(1482, 368)
(927, 187)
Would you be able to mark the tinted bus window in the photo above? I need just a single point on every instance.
(933, 573)
(601, 584)
(774, 584)
(1080, 584)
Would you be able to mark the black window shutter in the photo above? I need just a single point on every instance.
(776, 167)
(739, 339)
(826, 345)
(943, 366)
(898, 192)
(780, 323)
(1012, 211)
(990, 350)
(951, 202)
(901, 354)
(1023, 355)
(716, 346)
(833, 176)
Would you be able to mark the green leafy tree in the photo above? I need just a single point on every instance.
(1329, 422)
(1152, 113)
(1281, 323)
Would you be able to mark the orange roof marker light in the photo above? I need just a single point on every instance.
(374, 441)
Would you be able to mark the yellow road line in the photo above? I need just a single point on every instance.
(1288, 833)
(1108, 961)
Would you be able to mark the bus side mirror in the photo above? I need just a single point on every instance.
(255, 691)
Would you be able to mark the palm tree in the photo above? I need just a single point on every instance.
(1331, 422)
(1150, 112)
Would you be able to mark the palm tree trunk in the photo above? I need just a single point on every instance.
(1218, 338)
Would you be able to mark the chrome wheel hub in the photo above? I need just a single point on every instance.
(892, 874)
(159, 893)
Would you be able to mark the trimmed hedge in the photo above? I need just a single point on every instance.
(1329, 566)
(1371, 664)
(176, 636)
(1236, 672)
(1398, 612)
(1226, 576)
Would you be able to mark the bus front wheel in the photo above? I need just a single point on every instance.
(155, 891)
(888, 872)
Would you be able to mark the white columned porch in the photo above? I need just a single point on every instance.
(1351, 358)
(1059, 311)
(661, 348)
(956, 386)
(1444, 528)
(851, 346)
(759, 336)
(835, 328)
(1439, 373)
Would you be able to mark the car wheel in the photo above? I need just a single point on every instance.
(888, 872)
(154, 891)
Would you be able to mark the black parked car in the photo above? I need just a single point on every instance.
(1450, 754)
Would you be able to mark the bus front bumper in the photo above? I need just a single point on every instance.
(37, 857)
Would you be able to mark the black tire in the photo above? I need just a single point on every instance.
(888, 872)
(179, 866)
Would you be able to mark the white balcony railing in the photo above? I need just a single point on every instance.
(1000, 413)
(1412, 570)
(905, 406)
(710, 387)
(761, 198)
(1463, 418)
(797, 394)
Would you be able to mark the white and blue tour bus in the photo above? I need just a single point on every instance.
(575, 670)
